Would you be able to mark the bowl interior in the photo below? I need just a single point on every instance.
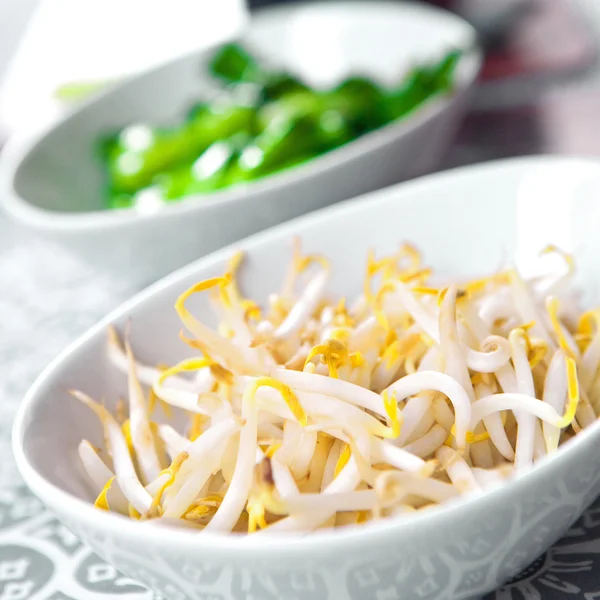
(468, 222)
(322, 43)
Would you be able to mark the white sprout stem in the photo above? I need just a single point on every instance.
(326, 318)
(555, 395)
(228, 458)
(346, 481)
(271, 403)
(481, 452)
(100, 475)
(155, 486)
(359, 307)
(539, 443)
(142, 437)
(204, 455)
(203, 381)
(474, 323)
(570, 340)
(298, 359)
(317, 465)
(442, 413)
(595, 392)
(336, 502)
(259, 456)
(369, 333)
(304, 307)
(361, 375)
(499, 402)
(507, 379)
(222, 347)
(425, 424)
(423, 487)
(285, 484)
(590, 362)
(146, 374)
(321, 406)
(243, 336)
(290, 442)
(330, 463)
(585, 414)
(412, 414)
(174, 442)
(432, 360)
(358, 441)
(432, 380)
(237, 493)
(527, 309)
(495, 354)
(488, 478)
(458, 470)
(493, 423)
(454, 360)
(401, 511)
(328, 386)
(494, 426)
(127, 478)
(385, 372)
(525, 421)
(417, 310)
(497, 306)
(264, 329)
(550, 285)
(306, 442)
(267, 429)
(465, 334)
(495, 349)
(427, 321)
(190, 401)
(425, 446)
(397, 457)
(176, 506)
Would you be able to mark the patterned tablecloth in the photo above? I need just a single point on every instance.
(48, 297)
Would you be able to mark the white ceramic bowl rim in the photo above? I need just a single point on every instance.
(18, 148)
(320, 543)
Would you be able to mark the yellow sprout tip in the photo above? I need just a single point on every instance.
(287, 394)
(391, 408)
(573, 394)
(342, 460)
(190, 364)
(102, 500)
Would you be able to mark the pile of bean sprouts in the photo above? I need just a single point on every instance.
(314, 412)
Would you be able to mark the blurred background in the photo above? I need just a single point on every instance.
(540, 84)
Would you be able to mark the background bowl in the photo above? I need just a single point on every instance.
(467, 222)
(53, 182)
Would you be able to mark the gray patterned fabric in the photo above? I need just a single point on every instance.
(47, 298)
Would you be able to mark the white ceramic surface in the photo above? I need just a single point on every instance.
(52, 183)
(466, 222)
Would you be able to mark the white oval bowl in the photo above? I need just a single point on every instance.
(52, 183)
(466, 221)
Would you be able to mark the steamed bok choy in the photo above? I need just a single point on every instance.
(263, 121)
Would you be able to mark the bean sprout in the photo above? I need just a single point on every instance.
(311, 415)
